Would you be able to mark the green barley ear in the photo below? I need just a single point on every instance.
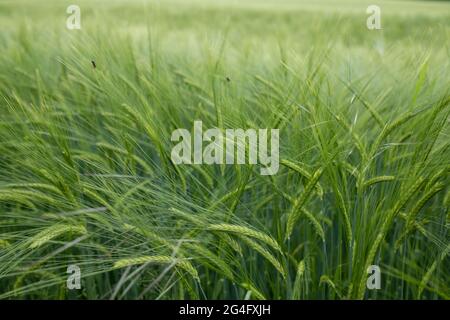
(31, 197)
(431, 269)
(4, 243)
(266, 254)
(316, 224)
(43, 186)
(253, 291)
(388, 129)
(326, 280)
(357, 140)
(385, 227)
(303, 172)
(422, 201)
(295, 212)
(247, 232)
(346, 218)
(233, 244)
(194, 219)
(228, 196)
(373, 112)
(376, 180)
(182, 264)
(53, 232)
(125, 153)
(446, 200)
(410, 218)
(151, 235)
(213, 259)
(298, 280)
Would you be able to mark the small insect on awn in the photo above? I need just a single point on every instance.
(93, 64)
(228, 79)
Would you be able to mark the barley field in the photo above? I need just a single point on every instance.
(87, 182)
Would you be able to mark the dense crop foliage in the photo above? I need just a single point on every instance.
(86, 176)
